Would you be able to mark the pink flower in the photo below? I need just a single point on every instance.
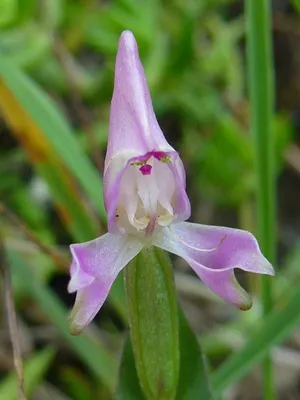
(146, 203)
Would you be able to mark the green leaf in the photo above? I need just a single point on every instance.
(153, 321)
(193, 375)
(128, 385)
(34, 370)
(276, 327)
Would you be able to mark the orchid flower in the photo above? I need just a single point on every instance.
(147, 204)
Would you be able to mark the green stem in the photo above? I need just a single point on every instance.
(153, 321)
(261, 100)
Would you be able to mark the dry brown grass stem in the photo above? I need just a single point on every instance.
(12, 320)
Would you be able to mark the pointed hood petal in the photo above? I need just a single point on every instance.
(133, 126)
(94, 268)
(213, 253)
(134, 133)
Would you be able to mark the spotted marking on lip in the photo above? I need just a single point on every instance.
(146, 169)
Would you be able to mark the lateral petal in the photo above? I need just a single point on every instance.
(95, 266)
(213, 253)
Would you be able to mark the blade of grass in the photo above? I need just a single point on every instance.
(34, 370)
(128, 386)
(275, 328)
(261, 101)
(68, 201)
(41, 118)
(47, 161)
(12, 320)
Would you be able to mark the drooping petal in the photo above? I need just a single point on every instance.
(213, 253)
(94, 268)
(225, 285)
(87, 304)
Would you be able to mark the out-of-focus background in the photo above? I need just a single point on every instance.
(56, 80)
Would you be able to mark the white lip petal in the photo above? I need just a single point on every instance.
(148, 191)
(145, 199)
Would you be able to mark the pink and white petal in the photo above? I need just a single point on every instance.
(133, 126)
(182, 205)
(213, 253)
(224, 284)
(111, 191)
(217, 248)
(108, 253)
(88, 302)
(95, 267)
(79, 278)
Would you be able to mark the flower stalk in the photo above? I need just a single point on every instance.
(153, 321)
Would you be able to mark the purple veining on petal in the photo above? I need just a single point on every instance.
(213, 253)
(239, 248)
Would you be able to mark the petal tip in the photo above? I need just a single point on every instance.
(247, 305)
(245, 301)
(266, 267)
(127, 41)
(70, 287)
(74, 328)
(269, 269)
